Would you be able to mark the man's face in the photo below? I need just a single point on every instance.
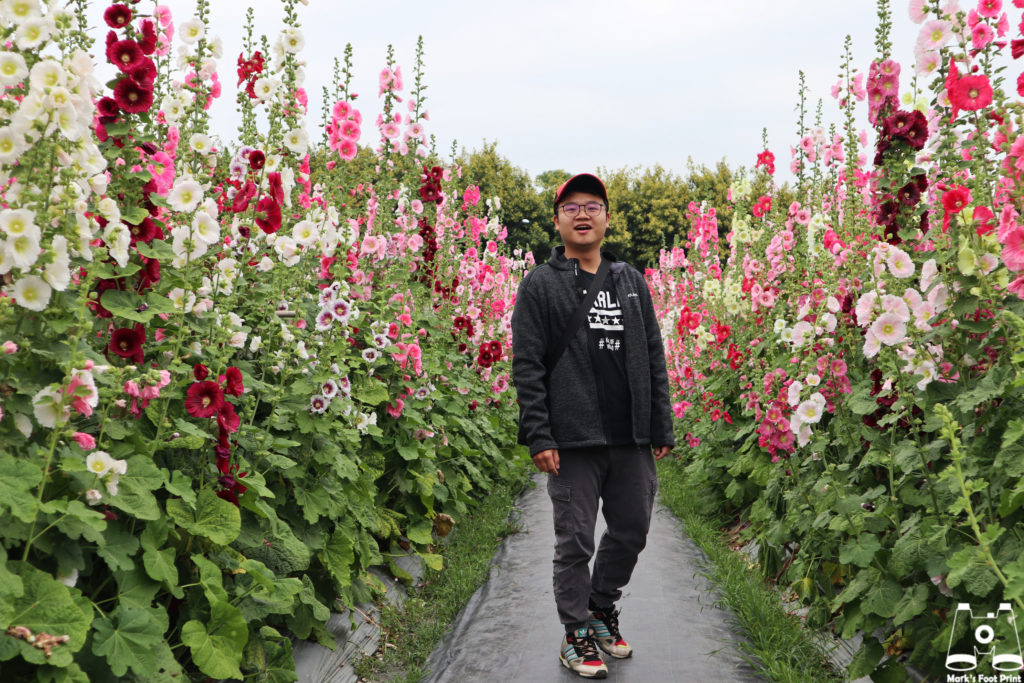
(582, 232)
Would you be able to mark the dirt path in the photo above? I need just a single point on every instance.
(509, 630)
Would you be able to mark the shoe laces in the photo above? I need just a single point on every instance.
(585, 646)
(611, 621)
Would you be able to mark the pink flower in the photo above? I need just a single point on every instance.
(917, 11)
(1013, 249)
(85, 441)
(981, 35)
(395, 410)
(9, 347)
(989, 8)
(890, 329)
(934, 34)
(838, 367)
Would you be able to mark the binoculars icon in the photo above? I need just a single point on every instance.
(995, 635)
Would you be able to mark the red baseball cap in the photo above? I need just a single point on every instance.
(582, 182)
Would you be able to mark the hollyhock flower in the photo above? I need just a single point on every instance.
(917, 11)
(31, 292)
(21, 251)
(989, 8)
(324, 320)
(126, 55)
(318, 404)
(890, 329)
(811, 410)
(200, 372)
(926, 369)
(970, 93)
(900, 263)
(204, 399)
(192, 31)
(935, 34)
(93, 497)
(9, 347)
(13, 69)
(132, 97)
(227, 419)
(48, 408)
(871, 345)
(233, 381)
(981, 35)
(793, 393)
(268, 217)
(1013, 249)
(127, 342)
(99, 463)
(329, 389)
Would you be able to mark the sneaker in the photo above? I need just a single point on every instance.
(604, 628)
(579, 654)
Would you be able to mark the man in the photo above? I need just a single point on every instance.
(590, 421)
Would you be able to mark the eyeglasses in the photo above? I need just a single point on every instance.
(592, 208)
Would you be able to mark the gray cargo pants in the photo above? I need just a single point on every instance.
(624, 478)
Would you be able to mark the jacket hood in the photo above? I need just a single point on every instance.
(559, 262)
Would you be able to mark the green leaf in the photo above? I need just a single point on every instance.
(135, 489)
(372, 394)
(17, 479)
(881, 599)
(125, 305)
(45, 606)
(277, 665)
(338, 556)
(130, 637)
(212, 517)
(81, 521)
(432, 560)
(10, 583)
(217, 646)
(421, 532)
(118, 547)
(134, 216)
(56, 674)
(866, 659)
(913, 602)
(159, 565)
(859, 551)
(210, 579)
(135, 588)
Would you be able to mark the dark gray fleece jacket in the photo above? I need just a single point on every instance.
(562, 411)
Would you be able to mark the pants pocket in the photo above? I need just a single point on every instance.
(560, 492)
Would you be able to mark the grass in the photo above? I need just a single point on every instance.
(774, 642)
(412, 630)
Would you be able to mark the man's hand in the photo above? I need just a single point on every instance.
(661, 451)
(547, 461)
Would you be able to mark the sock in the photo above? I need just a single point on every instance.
(594, 607)
(571, 628)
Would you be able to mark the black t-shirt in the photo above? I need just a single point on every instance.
(606, 335)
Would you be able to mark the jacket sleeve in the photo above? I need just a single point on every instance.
(661, 402)
(529, 346)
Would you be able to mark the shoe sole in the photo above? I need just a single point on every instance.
(599, 674)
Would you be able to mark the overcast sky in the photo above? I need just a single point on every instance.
(579, 85)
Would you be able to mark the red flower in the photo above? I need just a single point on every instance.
(117, 16)
(132, 97)
(233, 381)
(970, 93)
(766, 159)
(148, 41)
(145, 231)
(144, 73)
(127, 342)
(227, 418)
(200, 372)
(256, 159)
(956, 198)
(107, 106)
(125, 55)
(276, 187)
(205, 399)
(242, 198)
(268, 217)
(1020, 85)
(763, 206)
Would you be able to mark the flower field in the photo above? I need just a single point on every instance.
(233, 377)
(847, 369)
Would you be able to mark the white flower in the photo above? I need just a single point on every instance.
(200, 143)
(801, 331)
(305, 233)
(186, 247)
(370, 355)
(265, 88)
(363, 421)
(813, 380)
(238, 340)
(255, 343)
(318, 404)
(12, 144)
(47, 73)
(20, 10)
(99, 463)
(46, 407)
(830, 322)
(93, 497)
(23, 424)
(12, 68)
(178, 298)
(109, 210)
(58, 274)
(172, 108)
(118, 239)
(265, 265)
(927, 371)
(292, 40)
(22, 250)
(32, 33)
(205, 228)
(69, 579)
(191, 30)
(185, 195)
(810, 411)
(32, 293)
(793, 394)
(900, 263)
(296, 140)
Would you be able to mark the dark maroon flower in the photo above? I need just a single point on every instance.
(204, 399)
(125, 55)
(148, 41)
(276, 187)
(107, 106)
(145, 231)
(256, 159)
(227, 418)
(909, 194)
(132, 97)
(200, 372)
(233, 381)
(117, 16)
(144, 73)
(150, 273)
(127, 342)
